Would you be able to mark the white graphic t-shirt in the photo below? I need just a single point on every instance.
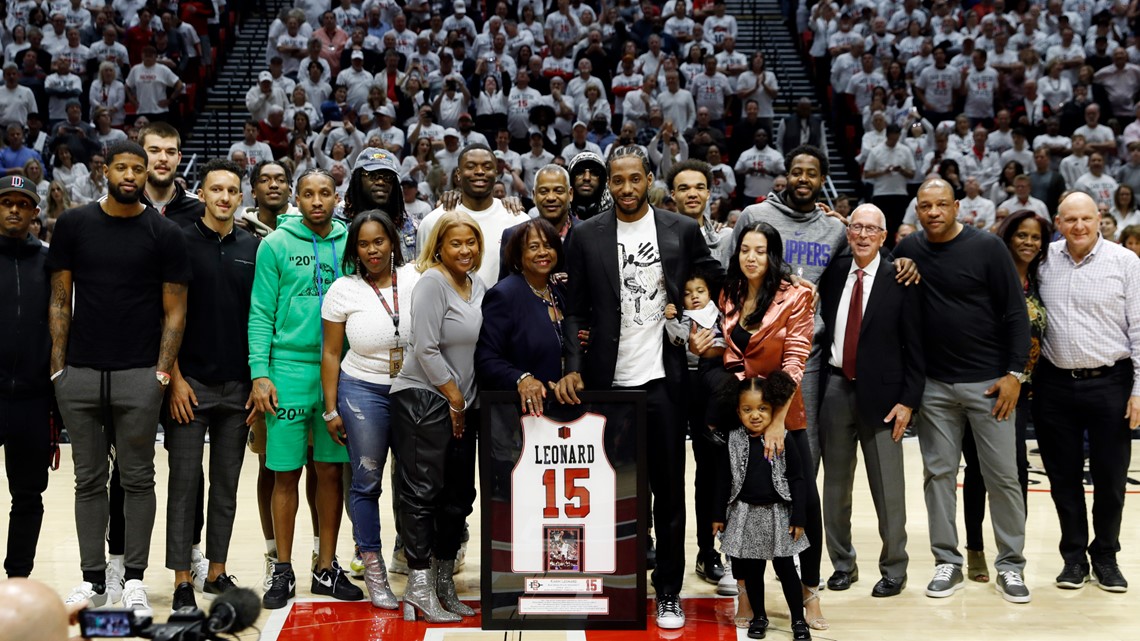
(642, 283)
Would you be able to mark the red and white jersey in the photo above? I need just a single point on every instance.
(564, 478)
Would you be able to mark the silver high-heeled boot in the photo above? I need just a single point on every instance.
(376, 578)
(420, 596)
(445, 588)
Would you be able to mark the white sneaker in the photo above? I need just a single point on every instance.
(727, 585)
(199, 569)
(267, 579)
(135, 598)
(461, 558)
(86, 592)
(399, 564)
(115, 571)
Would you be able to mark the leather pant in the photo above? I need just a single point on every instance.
(437, 475)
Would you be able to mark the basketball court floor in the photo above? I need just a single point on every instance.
(975, 613)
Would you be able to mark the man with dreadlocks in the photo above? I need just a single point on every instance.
(588, 180)
(375, 184)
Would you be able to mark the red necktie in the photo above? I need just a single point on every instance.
(854, 321)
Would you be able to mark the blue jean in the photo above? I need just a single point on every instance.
(364, 408)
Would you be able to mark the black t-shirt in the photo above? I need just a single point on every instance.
(975, 324)
(118, 267)
(215, 348)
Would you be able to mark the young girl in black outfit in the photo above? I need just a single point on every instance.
(761, 506)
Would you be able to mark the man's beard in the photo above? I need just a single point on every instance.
(123, 198)
(155, 181)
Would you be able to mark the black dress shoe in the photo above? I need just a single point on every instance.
(800, 631)
(709, 567)
(758, 628)
(888, 587)
(840, 580)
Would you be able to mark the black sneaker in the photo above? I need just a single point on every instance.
(800, 631)
(1072, 577)
(183, 597)
(283, 588)
(219, 586)
(709, 567)
(334, 582)
(1107, 576)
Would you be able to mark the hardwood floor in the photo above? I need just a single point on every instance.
(976, 613)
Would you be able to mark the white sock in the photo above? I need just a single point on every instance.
(271, 547)
(115, 557)
(316, 545)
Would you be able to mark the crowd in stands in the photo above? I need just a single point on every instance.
(537, 84)
(1013, 102)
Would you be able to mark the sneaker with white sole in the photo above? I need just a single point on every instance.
(114, 573)
(670, 616)
(86, 592)
(727, 585)
(356, 565)
(135, 598)
(947, 580)
(267, 578)
(1011, 587)
(199, 569)
(399, 564)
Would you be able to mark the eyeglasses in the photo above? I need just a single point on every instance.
(379, 174)
(22, 205)
(860, 229)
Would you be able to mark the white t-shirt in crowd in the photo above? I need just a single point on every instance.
(640, 356)
(492, 222)
(369, 329)
(940, 86)
(150, 85)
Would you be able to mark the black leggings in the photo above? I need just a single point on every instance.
(752, 572)
(813, 529)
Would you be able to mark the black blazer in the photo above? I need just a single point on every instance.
(594, 301)
(889, 364)
(517, 336)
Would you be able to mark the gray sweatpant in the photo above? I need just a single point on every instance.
(102, 408)
(221, 410)
(941, 424)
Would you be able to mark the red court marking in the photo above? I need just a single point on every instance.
(707, 619)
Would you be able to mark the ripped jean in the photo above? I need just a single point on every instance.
(364, 408)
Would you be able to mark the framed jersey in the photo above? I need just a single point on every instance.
(564, 515)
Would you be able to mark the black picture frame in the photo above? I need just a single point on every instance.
(500, 452)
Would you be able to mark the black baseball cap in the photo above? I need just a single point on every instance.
(19, 185)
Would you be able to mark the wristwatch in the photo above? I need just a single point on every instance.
(328, 416)
(1020, 376)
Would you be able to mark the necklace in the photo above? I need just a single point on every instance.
(543, 293)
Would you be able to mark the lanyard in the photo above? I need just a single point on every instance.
(395, 301)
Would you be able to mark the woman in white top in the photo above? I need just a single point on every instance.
(490, 107)
(760, 85)
(65, 169)
(420, 162)
(109, 93)
(34, 171)
(1055, 87)
(18, 44)
(370, 306)
(594, 104)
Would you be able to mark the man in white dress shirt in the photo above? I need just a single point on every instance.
(1085, 387)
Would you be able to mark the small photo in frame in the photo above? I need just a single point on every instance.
(563, 548)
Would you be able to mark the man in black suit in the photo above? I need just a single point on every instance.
(624, 268)
(875, 380)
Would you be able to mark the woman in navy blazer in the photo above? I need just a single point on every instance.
(520, 345)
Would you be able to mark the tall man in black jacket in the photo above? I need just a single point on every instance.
(873, 382)
(624, 268)
(25, 388)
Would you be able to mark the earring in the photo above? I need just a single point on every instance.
(437, 256)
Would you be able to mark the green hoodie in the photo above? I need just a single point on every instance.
(295, 268)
